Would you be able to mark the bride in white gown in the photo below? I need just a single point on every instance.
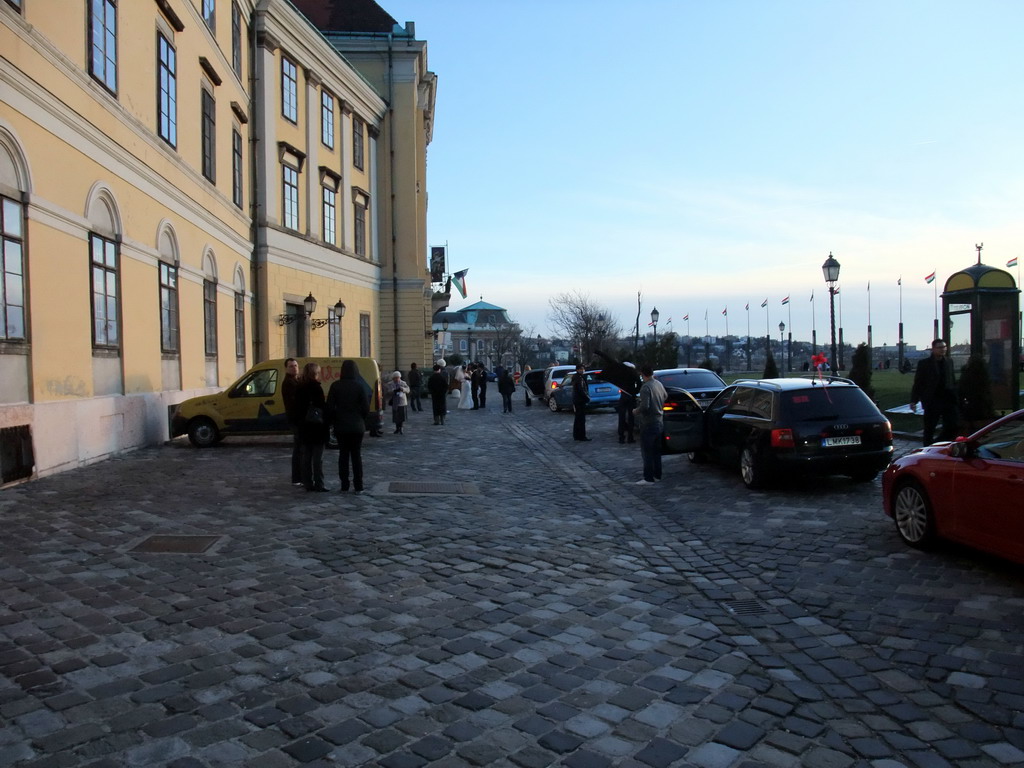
(466, 396)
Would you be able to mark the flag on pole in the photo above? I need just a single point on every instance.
(836, 290)
(764, 303)
(785, 301)
(459, 281)
(1012, 262)
(812, 296)
(725, 311)
(668, 321)
(748, 306)
(900, 281)
(686, 317)
(930, 279)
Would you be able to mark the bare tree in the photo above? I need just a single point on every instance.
(505, 341)
(587, 325)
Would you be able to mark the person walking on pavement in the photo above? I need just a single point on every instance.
(506, 387)
(348, 406)
(627, 420)
(650, 420)
(397, 395)
(310, 402)
(474, 385)
(483, 384)
(465, 391)
(437, 386)
(580, 398)
(415, 379)
(288, 387)
(934, 388)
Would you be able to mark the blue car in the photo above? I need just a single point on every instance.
(602, 394)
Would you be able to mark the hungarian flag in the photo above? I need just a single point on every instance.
(812, 295)
(1012, 262)
(725, 311)
(748, 306)
(785, 301)
(930, 278)
(459, 281)
(686, 317)
(900, 281)
(764, 303)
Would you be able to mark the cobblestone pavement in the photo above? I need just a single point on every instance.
(500, 596)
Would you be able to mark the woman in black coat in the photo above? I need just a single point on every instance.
(310, 403)
(348, 403)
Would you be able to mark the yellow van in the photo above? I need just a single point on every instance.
(253, 405)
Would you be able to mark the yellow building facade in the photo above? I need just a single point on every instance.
(176, 177)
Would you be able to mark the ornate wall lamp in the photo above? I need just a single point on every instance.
(309, 305)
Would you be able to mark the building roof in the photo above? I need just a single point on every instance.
(481, 305)
(346, 15)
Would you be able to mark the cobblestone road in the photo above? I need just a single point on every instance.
(525, 605)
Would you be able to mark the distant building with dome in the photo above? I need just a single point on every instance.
(480, 332)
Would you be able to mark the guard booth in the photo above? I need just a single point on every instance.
(981, 315)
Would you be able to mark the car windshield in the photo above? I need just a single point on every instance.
(1004, 442)
(691, 380)
(824, 403)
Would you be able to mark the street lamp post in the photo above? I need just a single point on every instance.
(654, 321)
(830, 269)
(782, 344)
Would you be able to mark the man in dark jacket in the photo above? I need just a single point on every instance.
(437, 386)
(348, 405)
(288, 387)
(934, 389)
(580, 398)
(415, 380)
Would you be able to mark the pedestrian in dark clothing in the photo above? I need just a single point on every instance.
(934, 389)
(415, 380)
(483, 384)
(310, 402)
(475, 377)
(288, 387)
(580, 398)
(627, 419)
(348, 405)
(437, 386)
(506, 387)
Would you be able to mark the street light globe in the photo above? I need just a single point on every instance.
(782, 327)
(830, 269)
(655, 315)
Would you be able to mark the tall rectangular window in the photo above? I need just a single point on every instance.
(357, 142)
(327, 119)
(333, 333)
(236, 168)
(240, 325)
(364, 335)
(330, 216)
(209, 135)
(236, 39)
(210, 14)
(105, 324)
(289, 90)
(359, 229)
(168, 307)
(290, 196)
(210, 317)
(12, 274)
(103, 42)
(167, 85)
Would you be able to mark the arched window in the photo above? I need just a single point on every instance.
(105, 265)
(239, 313)
(13, 291)
(167, 244)
(210, 303)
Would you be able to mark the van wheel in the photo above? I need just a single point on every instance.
(202, 432)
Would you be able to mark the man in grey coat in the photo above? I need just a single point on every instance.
(650, 421)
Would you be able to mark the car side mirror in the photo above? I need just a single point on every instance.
(960, 449)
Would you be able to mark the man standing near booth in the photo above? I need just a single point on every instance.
(935, 390)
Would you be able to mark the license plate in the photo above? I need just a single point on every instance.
(830, 442)
(602, 389)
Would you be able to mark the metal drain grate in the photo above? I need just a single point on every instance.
(432, 487)
(182, 545)
(748, 607)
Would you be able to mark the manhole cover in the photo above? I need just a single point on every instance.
(746, 607)
(185, 545)
(432, 487)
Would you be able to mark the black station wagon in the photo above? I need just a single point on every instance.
(771, 427)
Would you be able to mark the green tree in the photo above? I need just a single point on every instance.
(860, 369)
(771, 370)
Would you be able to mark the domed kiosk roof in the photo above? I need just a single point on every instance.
(979, 277)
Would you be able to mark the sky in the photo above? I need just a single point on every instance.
(710, 154)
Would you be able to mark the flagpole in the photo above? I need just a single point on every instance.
(748, 337)
(841, 364)
(935, 288)
(899, 361)
(707, 337)
(789, 338)
(689, 342)
(814, 326)
(870, 348)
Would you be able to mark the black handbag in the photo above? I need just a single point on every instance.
(315, 415)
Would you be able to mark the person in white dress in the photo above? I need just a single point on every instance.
(466, 398)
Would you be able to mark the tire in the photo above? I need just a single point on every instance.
(697, 457)
(553, 405)
(752, 468)
(912, 512)
(202, 432)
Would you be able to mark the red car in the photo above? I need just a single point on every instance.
(971, 491)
